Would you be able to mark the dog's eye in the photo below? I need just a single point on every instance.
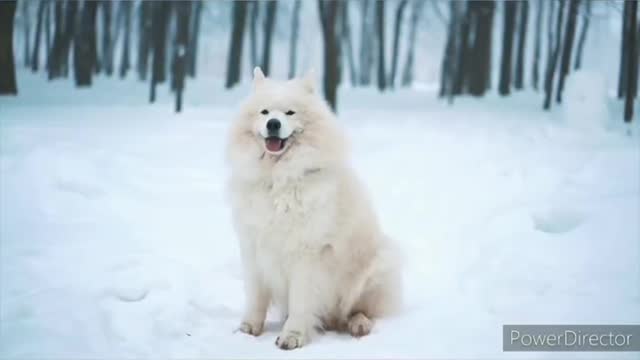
(264, 112)
(290, 112)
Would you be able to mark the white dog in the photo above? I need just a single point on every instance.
(309, 239)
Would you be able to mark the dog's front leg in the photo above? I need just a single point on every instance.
(257, 304)
(257, 295)
(304, 306)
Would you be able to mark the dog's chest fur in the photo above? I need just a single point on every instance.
(289, 220)
(288, 217)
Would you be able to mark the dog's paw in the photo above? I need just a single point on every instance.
(359, 325)
(251, 329)
(290, 340)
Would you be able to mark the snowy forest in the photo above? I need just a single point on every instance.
(364, 43)
(498, 141)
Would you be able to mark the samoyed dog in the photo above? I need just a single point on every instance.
(310, 242)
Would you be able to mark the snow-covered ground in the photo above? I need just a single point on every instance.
(116, 239)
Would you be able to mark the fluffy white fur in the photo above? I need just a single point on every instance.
(310, 241)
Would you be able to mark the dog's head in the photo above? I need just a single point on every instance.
(285, 122)
(279, 110)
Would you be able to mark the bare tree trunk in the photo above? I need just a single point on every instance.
(550, 32)
(637, 49)
(510, 10)
(328, 13)
(47, 34)
(293, 42)
(522, 40)
(569, 34)
(552, 59)
(407, 74)
(462, 59)
(107, 46)
(56, 48)
(479, 70)
(35, 54)
(84, 44)
(52, 68)
(26, 23)
(583, 34)
(95, 60)
(192, 55)
(346, 41)
(380, 25)
(161, 10)
(65, 31)
(451, 62)
(269, 23)
(234, 60)
(117, 26)
(446, 67)
(8, 84)
(70, 31)
(535, 76)
(338, 34)
(145, 21)
(253, 33)
(396, 41)
(183, 13)
(631, 11)
(125, 62)
(624, 58)
(366, 43)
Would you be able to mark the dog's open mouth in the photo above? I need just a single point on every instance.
(274, 144)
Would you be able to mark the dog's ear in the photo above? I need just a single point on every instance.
(258, 76)
(309, 81)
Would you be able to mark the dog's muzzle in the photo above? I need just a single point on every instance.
(274, 142)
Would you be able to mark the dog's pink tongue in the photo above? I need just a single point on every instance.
(273, 144)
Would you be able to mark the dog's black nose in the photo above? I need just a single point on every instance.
(273, 125)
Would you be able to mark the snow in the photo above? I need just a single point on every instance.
(116, 238)
(586, 101)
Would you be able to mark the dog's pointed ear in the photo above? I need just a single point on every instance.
(258, 76)
(309, 80)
